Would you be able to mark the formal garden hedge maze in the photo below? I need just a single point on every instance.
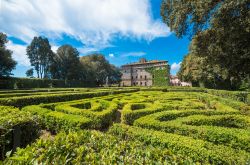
(125, 126)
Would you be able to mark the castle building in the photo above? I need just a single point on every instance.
(137, 74)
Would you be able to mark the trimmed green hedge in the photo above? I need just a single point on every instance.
(26, 83)
(215, 126)
(129, 115)
(91, 147)
(198, 150)
(50, 98)
(95, 113)
(101, 112)
(234, 95)
(57, 121)
(18, 125)
(212, 100)
(140, 104)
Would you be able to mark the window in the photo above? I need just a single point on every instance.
(140, 77)
(132, 77)
(145, 77)
(141, 83)
(145, 83)
(135, 77)
(125, 71)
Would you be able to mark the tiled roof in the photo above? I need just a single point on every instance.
(148, 62)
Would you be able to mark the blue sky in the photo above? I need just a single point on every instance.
(123, 31)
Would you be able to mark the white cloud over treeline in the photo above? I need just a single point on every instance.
(93, 22)
(175, 67)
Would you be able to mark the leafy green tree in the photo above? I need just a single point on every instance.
(40, 55)
(220, 31)
(7, 64)
(114, 75)
(30, 73)
(197, 70)
(66, 64)
(98, 69)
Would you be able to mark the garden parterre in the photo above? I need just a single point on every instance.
(158, 126)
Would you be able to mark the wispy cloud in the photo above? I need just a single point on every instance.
(87, 50)
(54, 48)
(133, 54)
(95, 23)
(111, 55)
(19, 53)
(175, 67)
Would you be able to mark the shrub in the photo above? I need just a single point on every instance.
(129, 115)
(91, 147)
(25, 83)
(234, 95)
(101, 112)
(57, 121)
(17, 129)
(198, 150)
(216, 129)
(37, 99)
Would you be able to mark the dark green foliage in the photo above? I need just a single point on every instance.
(160, 77)
(66, 64)
(40, 55)
(98, 70)
(234, 95)
(197, 70)
(7, 64)
(30, 73)
(219, 31)
(28, 83)
(12, 119)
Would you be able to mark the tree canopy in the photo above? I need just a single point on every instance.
(66, 64)
(98, 69)
(219, 30)
(7, 64)
(197, 70)
(40, 54)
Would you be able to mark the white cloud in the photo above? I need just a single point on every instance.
(19, 53)
(87, 50)
(54, 48)
(94, 22)
(133, 54)
(111, 55)
(175, 67)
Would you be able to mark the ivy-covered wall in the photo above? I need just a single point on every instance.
(160, 77)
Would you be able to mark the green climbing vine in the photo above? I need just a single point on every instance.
(160, 77)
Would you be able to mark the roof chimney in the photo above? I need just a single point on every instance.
(142, 60)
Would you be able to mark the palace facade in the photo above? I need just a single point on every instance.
(136, 74)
